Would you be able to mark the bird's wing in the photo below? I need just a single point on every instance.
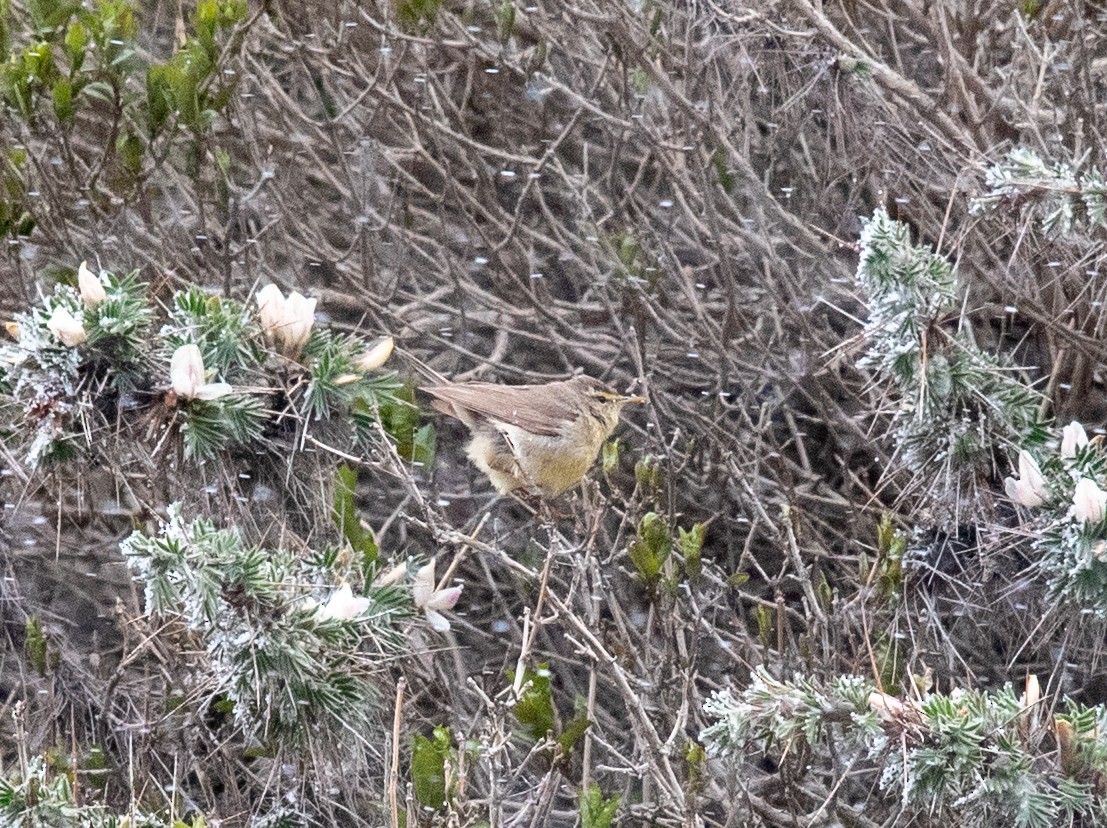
(503, 403)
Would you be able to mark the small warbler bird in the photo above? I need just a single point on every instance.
(540, 439)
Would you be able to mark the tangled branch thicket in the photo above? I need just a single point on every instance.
(665, 195)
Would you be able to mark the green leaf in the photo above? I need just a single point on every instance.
(505, 20)
(695, 757)
(47, 15)
(764, 624)
(572, 734)
(691, 548)
(824, 591)
(651, 548)
(35, 646)
(158, 105)
(76, 41)
(422, 449)
(737, 579)
(885, 533)
(416, 15)
(726, 179)
(131, 150)
(595, 811)
(346, 519)
(96, 768)
(428, 768)
(62, 93)
(647, 474)
(5, 23)
(204, 22)
(610, 456)
(400, 416)
(534, 708)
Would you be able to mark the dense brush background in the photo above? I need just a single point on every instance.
(666, 195)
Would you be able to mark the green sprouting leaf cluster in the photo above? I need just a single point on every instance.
(597, 811)
(293, 669)
(15, 217)
(37, 648)
(966, 757)
(39, 795)
(430, 761)
(1064, 199)
(188, 85)
(534, 710)
(344, 512)
(652, 547)
(400, 418)
(416, 15)
(957, 405)
(886, 572)
(77, 71)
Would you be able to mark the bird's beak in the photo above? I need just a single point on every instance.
(638, 399)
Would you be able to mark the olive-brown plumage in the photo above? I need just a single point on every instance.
(541, 439)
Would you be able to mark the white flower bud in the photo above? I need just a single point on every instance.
(1073, 438)
(299, 316)
(1030, 489)
(66, 327)
(375, 356)
(186, 374)
(1089, 502)
(287, 322)
(92, 289)
(344, 605)
(1032, 693)
(888, 707)
(392, 575)
(270, 309)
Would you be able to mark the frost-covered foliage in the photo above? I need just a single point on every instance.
(40, 796)
(956, 404)
(71, 353)
(1064, 492)
(1066, 200)
(294, 668)
(87, 361)
(966, 757)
